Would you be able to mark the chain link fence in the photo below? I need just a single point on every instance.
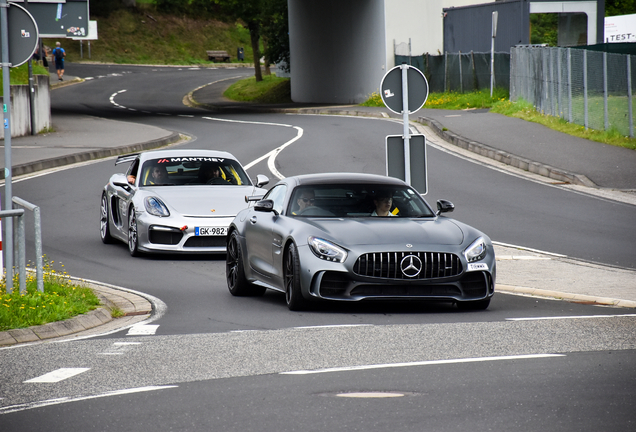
(458, 72)
(590, 88)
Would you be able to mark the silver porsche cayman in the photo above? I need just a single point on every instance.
(175, 201)
(353, 237)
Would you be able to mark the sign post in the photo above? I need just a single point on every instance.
(18, 39)
(404, 90)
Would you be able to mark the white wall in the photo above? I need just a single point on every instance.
(20, 114)
(420, 20)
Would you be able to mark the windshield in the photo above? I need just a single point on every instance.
(352, 200)
(176, 171)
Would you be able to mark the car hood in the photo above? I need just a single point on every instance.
(386, 231)
(204, 200)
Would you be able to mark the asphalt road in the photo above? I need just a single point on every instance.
(217, 360)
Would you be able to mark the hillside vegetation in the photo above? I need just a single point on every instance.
(136, 36)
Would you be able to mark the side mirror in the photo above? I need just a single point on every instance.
(121, 181)
(261, 180)
(265, 206)
(444, 206)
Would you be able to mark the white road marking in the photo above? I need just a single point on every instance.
(529, 249)
(570, 317)
(271, 156)
(143, 330)
(57, 375)
(422, 363)
(333, 326)
(40, 404)
(120, 348)
(370, 395)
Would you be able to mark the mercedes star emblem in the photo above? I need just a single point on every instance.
(411, 266)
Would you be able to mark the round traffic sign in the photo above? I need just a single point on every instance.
(23, 35)
(391, 89)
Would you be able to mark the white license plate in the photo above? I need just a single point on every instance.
(210, 231)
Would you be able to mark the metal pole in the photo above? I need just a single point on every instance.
(585, 87)
(6, 88)
(405, 119)
(21, 254)
(39, 264)
(31, 89)
(81, 49)
(605, 110)
(630, 107)
(570, 118)
(495, 14)
(461, 81)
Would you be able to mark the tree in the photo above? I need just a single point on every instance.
(275, 32)
(620, 7)
(250, 12)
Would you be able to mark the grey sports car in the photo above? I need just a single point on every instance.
(176, 201)
(352, 237)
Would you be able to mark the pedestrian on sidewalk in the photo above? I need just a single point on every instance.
(58, 54)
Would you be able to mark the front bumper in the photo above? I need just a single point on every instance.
(176, 234)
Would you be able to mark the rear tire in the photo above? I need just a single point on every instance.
(104, 221)
(133, 238)
(237, 283)
(293, 295)
(474, 305)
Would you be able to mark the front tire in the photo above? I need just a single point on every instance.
(133, 238)
(237, 283)
(293, 296)
(104, 222)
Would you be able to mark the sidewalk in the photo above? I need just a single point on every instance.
(81, 138)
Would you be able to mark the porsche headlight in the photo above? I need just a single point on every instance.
(326, 250)
(476, 251)
(156, 207)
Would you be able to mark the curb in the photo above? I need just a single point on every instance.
(574, 298)
(56, 162)
(129, 303)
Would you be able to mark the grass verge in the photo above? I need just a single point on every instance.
(271, 90)
(61, 299)
(20, 74)
(500, 103)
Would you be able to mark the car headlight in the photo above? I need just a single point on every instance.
(326, 250)
(476, 251)
(156, 207)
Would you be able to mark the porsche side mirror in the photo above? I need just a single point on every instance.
(120, 180)
(266, 205)
(444, 206)
(261, 180)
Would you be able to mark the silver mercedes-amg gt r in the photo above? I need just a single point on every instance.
(175, 201)
(352, 237)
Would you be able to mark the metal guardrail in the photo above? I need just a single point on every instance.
(19, 213)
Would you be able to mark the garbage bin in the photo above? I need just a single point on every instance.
(240, 54)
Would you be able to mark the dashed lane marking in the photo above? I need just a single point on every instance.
(57, 375)
(143, 330)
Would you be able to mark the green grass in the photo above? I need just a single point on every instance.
(60, 300)
(20, 74)
(271, 90)
(501, 104)
(142, 36)
(525, 111)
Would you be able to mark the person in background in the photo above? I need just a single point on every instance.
(58, 54)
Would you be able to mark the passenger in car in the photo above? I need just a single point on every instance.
(307, 199)
(383, 203)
